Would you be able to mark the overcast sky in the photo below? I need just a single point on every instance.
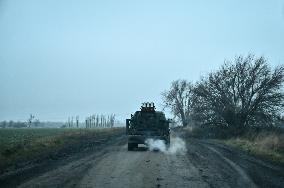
(63, 58)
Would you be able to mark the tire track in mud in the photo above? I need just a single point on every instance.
(122, 169)
(205, 164)
(263, 173)
(223, 166)
(70, 174)
(243, 175)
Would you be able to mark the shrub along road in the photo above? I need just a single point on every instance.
(205, 164)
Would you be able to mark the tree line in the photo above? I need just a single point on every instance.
(72, 122)
(31, 122)
(96, 120)
(242, 93)
(93, 121)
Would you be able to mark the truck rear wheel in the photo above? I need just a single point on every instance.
(168, 142)
(131, 146)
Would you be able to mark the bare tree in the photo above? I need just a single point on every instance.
(112, 119)
(97, 120)
(77, 121)
(178, 100)
(101, 121)
(86, 122)
(30, 120)
(241, 93)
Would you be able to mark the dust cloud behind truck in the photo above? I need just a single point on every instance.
(147, 124)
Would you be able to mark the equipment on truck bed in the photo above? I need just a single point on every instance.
(147, 124)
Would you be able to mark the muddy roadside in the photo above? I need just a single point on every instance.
(205, 163)
(25, 170)
(221, 165)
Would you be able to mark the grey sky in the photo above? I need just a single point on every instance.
(63, 58)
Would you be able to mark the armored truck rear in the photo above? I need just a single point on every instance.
(145, 124)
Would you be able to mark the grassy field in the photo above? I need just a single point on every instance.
(20, 145)
(267, 145)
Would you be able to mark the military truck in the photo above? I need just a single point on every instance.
(145, 124)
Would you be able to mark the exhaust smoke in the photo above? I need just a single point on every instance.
(177, 146)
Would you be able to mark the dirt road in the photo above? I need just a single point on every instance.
(204, 164)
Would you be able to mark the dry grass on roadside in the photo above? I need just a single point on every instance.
(269, 145)
(263, 142)
(20, 145)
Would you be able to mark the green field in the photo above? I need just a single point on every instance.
(20, 145)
